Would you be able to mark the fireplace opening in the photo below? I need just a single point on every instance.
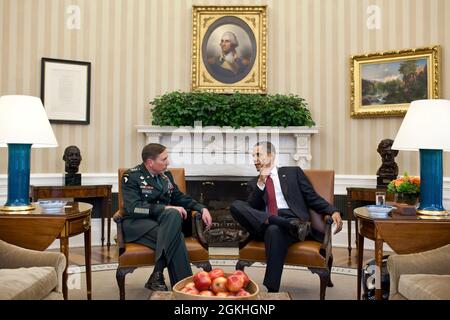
(218, 193)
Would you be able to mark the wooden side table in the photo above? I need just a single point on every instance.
(102, 192)
(37, 230)
(404, 234)
(359, 194)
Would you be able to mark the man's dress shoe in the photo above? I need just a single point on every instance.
(156, 282)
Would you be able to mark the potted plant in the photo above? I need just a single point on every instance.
(405, 188)
(235, 110)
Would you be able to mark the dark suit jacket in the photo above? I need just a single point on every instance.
(298, 193)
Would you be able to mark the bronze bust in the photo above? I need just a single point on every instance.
(72, 158)
(389, 169)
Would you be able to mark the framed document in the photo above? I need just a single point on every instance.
(65, 90)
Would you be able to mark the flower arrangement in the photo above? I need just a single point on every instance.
(405, 184)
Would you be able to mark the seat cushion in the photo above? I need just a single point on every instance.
(136, 254)
(27, 283)
(424, 286)
(195, 250)
(305, 253)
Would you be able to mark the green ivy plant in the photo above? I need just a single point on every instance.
(235, 110)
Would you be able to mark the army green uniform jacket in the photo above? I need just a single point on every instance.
(148, 222)
(144, 200)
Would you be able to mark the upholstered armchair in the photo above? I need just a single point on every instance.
(134, 255)
(29, 274)
(420, 276)
(314, 255)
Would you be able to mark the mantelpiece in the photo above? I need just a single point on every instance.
(224, 151)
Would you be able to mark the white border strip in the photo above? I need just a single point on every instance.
(74, 269)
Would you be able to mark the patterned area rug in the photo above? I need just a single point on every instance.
(298, 281)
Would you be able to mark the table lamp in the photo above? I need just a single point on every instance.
(426, 128)
(23, 124)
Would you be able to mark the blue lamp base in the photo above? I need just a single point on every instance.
(431, 182)
(18, 178)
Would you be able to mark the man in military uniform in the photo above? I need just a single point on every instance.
(154, 209)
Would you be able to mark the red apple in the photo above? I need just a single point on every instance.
(242, 293)
(192, 291)
(202, 282)
(215, 273)
(190, 285)
(244, 275)
(222, 294)
(219, 285)
(206, 293)
(235, 282)
(200, 274)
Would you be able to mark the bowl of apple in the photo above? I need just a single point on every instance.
(216, 284)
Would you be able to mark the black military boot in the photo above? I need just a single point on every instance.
(156, 282)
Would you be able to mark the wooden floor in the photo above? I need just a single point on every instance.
(100, 255)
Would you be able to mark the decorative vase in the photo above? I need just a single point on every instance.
(408, 198)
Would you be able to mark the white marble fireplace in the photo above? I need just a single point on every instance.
(226, 152)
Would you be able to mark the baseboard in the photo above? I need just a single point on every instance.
(341, 183)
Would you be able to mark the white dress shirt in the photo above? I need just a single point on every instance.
(281, 201)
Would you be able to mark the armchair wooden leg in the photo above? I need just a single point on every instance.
(324, 276)
(241, 264)
(330, 265)
(206, 266)
(120, 277)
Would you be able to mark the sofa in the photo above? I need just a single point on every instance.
(420, 276)
(29, 274)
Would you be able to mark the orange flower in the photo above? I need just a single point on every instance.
(415, 180)
(405, 184)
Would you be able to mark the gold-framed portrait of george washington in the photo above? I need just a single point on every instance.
(229, 49)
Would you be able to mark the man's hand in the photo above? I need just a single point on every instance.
(207, 219)
(264, 172)
(181, 210)
(336, 216)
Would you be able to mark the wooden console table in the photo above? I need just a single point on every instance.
(359, 194)
(404, 234)
(37, 230)
(102, 192)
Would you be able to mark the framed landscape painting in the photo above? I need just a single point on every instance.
(229, 49)
(384, 84)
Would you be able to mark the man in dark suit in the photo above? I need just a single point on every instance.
(154, 210)
(277, 210)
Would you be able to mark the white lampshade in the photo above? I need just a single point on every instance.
(23, 120)
(425, 126)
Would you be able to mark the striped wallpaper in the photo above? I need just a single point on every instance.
(141, 48)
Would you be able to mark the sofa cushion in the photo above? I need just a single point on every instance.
(424, 286)
(27, 283)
